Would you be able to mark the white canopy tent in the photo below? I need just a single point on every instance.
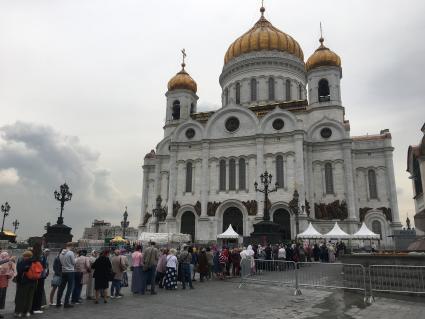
(229, 234)
(310, 233)
(337, 233)
(365, 233)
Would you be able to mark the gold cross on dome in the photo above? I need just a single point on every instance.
(184, 54)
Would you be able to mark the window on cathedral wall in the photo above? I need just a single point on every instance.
(176, 110)
(192, 108)
(242, 174)
(189, 170)
(253, 90)
(279, 171)
(417, 177)
(377, 227)
(323, 91)
(226, 96)
(232, 175)
(300, 91)
(222, 178)
(271, 89)
(329, 179)
(373, 192)
(288, 89)
(238, 93)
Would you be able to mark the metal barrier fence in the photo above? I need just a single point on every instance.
(397, 278)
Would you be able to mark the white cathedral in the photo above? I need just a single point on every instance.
(279, 114)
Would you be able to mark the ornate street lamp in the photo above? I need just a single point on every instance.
(294, 205)
(62, 196)
(266, 180)
(15, 225)
(5, 208)
(158, 213)
(124, 223)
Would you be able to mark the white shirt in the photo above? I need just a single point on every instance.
(281, 253)
(172, 261)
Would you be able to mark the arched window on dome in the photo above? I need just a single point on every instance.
(226, 96)
(323, 91)
(300, 91)
(222, 181)
(417, 176)
(253, 90)
(373, 192)
(242, 174)
(192, 108)
(377, 227)
(232, 175)
(329, 179)
(189, 170)
(271, 89)
(176, 110)
(288, 89)
(279, 171)
(238, 93)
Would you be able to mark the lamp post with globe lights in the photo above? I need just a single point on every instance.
(266, 180)
(5, 208)
(62, 196)
(15, 225)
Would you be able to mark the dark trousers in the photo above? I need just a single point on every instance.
(68, 282)
(186, 275)
(24, 297)
(38, 295)
(115, 287)
(148, 277)
(160, 279)
(78, 286)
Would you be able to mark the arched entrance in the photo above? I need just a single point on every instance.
(187, 224)
(283, 218)
(233, 215)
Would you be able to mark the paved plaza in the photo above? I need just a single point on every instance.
(216, 299)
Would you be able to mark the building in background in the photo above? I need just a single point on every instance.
(416, 168)
(280, 114)
(101, 230)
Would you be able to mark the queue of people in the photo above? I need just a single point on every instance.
(104, 273)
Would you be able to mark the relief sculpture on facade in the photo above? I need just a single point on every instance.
(146, 218)
(385, 210)
(176, 207)
(212, 207)
(334, 210)
(251, 207)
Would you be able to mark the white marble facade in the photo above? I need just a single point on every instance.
(313, 153)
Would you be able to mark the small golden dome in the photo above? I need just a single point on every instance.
(263, 36)
(322, 57)
(182, 80)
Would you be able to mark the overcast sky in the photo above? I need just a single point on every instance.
(82, 86)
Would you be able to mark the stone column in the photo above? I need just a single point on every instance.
(145, 183)
(172, 185)
(205, 178)
(349, 183)
(299, 167)
(391, 183)
(260, 170)
(157, 178)
(310, 179)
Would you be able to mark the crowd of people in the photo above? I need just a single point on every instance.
(102, 274)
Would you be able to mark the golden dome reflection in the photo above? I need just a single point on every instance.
(263, 36)
(323, 56)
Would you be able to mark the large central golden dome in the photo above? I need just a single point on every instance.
(263, 36)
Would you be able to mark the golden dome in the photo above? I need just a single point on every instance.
(182, 80)
(263, 36)
(322, 57)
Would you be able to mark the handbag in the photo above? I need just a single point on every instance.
(124, 281)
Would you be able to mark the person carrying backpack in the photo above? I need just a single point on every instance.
(41, 271)
(25, 284)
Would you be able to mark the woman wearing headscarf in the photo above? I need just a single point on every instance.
(102, 275)
(137, 266)
(90, 279)
(7, 271)
(170, 281)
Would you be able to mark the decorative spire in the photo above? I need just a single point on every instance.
(321, 40)
(183, 58)
(262, 9)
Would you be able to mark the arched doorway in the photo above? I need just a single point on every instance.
(187, 225)
(233, 215)
(283, 218)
